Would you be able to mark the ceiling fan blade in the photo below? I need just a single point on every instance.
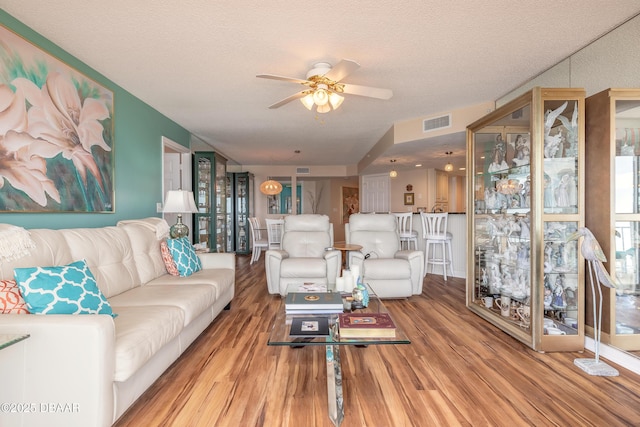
(283, 78)
(342, 69)
(289, 99)
(371, 92)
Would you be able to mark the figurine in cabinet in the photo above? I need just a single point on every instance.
(552, 142)
(522, 152)
(498, 162)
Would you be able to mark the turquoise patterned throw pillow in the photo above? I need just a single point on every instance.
(67, 289)
(184, 255)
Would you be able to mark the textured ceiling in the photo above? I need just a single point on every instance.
(196, 60)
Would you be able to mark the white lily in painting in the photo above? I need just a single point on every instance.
(58, 115)
(22, 157)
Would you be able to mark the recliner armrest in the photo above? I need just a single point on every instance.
(416, 261)
(272, 260)
(334, 262)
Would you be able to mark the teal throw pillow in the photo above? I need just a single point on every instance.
(184, 255)
(67, 289)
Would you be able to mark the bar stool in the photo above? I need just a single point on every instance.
(405, 229)
(434, 232)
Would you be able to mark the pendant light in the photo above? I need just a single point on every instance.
(393, 173)
(449, 166)
(270, 187)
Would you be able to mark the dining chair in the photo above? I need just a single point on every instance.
(258, 240)
(274, 232)
(405, 229)
(434, 233)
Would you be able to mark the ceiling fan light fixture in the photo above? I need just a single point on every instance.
(320, 95)
(307, 101)
(323, 108)
(335, 100)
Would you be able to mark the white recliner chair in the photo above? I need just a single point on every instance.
(390, 272)
(304, 256)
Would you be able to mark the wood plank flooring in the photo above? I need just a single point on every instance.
(458, 371)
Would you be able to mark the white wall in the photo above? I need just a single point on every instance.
(613, 61)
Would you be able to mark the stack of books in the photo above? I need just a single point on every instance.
(313, 303)
(366, 325)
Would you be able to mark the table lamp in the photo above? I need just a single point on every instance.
(179, 201)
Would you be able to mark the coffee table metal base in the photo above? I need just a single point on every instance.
(334, 385)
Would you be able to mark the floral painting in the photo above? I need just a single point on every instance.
(56, 134)
(350, 203)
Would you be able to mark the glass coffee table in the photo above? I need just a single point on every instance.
(280, 337)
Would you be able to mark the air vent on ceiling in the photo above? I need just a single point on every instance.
(303, 171)
(436, 123)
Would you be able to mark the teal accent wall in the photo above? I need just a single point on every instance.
(138, 128)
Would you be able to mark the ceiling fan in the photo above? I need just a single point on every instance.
(323, 87)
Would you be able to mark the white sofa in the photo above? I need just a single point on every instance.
(97, 364)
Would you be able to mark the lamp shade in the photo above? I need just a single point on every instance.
(270, 187)
(179, 201)
(448, 167)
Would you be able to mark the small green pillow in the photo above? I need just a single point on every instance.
(67, 289)
(184, 255)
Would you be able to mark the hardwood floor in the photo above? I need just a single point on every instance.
(458, 371)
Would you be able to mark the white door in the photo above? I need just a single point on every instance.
(176, 174)
(375, 193)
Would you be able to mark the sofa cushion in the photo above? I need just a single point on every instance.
(140, 333)
(184, 255)
(192, 299)
(219, 278)
(169, 263)
(11, 302)
(67, 289)
(387, 268)
(303, 267)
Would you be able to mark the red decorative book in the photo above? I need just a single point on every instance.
(366, 325)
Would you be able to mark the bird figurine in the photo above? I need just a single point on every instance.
(593, 254)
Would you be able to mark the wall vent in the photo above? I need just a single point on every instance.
(436, 123)
(303, 171)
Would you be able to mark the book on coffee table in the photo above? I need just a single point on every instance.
(313, 301)
(309, 327)
(366, 325)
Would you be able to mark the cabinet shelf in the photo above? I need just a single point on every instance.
(523, 166)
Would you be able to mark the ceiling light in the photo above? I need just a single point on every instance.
(393, 173)
(270, 187)
(448, 167)
(324, 96)
(307, 101)
(320, 95)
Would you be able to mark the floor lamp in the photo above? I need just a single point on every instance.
(180, 202)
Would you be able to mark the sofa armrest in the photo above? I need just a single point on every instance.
(416, 262)
(272, 260)
(67, 360)
(218, 260)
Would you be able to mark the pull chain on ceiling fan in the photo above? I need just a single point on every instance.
(324, 87)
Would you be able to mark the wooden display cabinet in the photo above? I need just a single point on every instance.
(612, 159)
(526, 194)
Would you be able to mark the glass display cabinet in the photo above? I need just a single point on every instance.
(524, 171)
(612, 151)
(210, 179)
(240, 208)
